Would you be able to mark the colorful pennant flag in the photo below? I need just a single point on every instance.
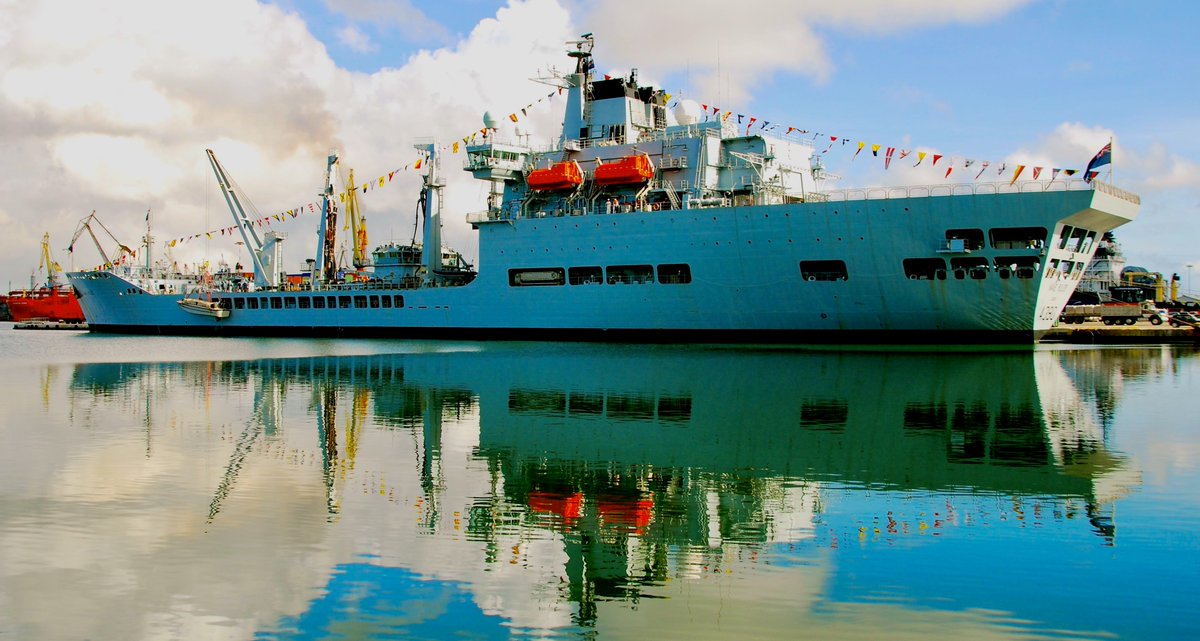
(1017, 174)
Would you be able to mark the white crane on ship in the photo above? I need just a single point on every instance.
(86, 225)
(264, 252)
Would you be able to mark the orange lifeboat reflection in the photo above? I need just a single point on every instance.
(568, 506)
(626, 512)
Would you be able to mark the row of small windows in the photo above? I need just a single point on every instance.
(1000, 237)
(960, 268)
(672, 274)
(1075, 239)
(935, 268)
(361, 301)
(976, 268)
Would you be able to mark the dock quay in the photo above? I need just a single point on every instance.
(47, 324)
(1098, 333)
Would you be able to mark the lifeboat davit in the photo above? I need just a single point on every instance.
(629, 170)
(560, 176)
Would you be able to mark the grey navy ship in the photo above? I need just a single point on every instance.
(647, 224)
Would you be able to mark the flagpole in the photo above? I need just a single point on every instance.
(1112, 166)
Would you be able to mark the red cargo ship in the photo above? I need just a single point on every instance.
(51, 302)
(56, 303)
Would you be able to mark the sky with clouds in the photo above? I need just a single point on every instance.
(110, 107)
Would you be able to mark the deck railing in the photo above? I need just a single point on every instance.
(968, 189)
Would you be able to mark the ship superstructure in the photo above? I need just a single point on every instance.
(644, 225)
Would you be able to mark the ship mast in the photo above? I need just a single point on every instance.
(432, 192)
(148, 241)
(575, 117)
(326, 265)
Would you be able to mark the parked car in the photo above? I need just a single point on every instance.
(1184, 319)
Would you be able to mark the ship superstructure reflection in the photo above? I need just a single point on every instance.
(551, 479)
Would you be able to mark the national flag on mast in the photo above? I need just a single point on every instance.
(1102, 157)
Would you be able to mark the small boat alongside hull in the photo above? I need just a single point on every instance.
(206, 308)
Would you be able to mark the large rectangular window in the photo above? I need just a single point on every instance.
(276, 302)
(976, 268)
(252, 303)
(318, 302)
(289, 302)
(585, 276)
(826, 270)
(1018, 237)
(537, 277)
(360, 302)
(973, 238)
(1020, 266)
(343, 302)
(630, 274)
(305, 302)
(925, 268)
(678, 274)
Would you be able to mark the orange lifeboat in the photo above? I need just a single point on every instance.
(561, 175)
(626, 171)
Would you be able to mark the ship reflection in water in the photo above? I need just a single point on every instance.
(592, 492)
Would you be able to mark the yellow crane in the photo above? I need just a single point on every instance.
(52, 268)
(1151, 281)
(357, 224)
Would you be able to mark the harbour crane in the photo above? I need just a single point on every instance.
(52, 268)
(358, 225)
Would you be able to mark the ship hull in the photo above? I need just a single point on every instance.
(745, 279)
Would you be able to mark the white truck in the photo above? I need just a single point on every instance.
(1113, 313)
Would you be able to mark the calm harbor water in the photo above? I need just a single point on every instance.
(168, 488)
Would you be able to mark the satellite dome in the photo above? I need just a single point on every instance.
(687, 112)
(489, 120)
